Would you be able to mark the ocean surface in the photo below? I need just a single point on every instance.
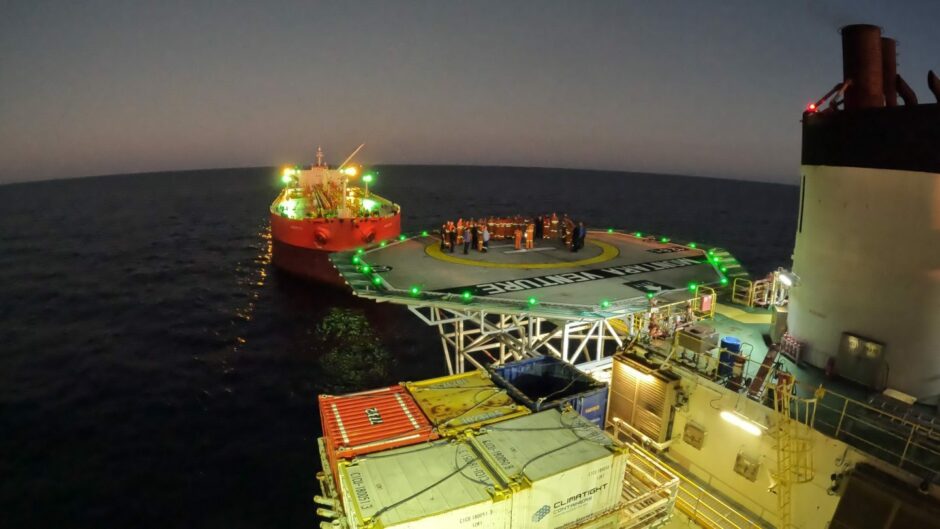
(155, 371)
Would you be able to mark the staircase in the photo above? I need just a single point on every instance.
(762, 378)
(727, 264)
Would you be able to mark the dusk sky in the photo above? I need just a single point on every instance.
(685, 87)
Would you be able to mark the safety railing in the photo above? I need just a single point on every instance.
(706, 509)
(887, 436)
(704, 303)
(650, 489)
(742, 291)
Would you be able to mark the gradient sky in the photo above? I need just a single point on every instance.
(688, 87)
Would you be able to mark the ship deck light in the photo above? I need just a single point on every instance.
(787, 278)
(742, 422)
(639, 375)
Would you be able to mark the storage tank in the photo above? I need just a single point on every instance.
(867, 249)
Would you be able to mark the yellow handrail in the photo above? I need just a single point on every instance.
(743, 294)
(703, 507)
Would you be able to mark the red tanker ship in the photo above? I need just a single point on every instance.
(320, 211)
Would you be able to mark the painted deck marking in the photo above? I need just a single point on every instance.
(608, 252)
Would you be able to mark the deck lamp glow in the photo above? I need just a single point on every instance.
(350, 171)
(376, 280)
(368, 204)
(664, 239)
(532, 301)
(424, 233)
(610, 230)
(724, 281)
(605, 304)
(693, 287)
(415, 290)
(366, 269)
(638, 234)
(649, 295)
(467, 296)
(360, 251)
(382, 244)
(639, 375)
(402, 237)
(288, 175)
(787, 278)
(356, 259)
(742, 422)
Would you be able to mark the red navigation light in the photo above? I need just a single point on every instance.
(811, 107)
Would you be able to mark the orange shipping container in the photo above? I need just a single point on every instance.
(371, 421)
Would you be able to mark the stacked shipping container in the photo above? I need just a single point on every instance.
(562, 469)
(547, 382)
(500, 466)
(542, 471)
(371, 421)
(441, 485)
(466, 401)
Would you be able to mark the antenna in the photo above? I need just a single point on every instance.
(350, 157)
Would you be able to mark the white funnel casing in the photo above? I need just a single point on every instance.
(868, 241)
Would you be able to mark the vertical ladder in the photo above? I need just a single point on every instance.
(795, 415)
(782, 393)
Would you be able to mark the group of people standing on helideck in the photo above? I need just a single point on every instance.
(523, 231)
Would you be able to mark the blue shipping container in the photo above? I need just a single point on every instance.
(546, 382)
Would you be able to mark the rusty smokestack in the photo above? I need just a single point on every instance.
(933, 82)
(861, 62)
(889, 70)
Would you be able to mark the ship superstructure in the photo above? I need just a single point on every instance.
(868, 236)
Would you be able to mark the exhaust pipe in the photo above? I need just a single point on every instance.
(933, 82)
(907, 94)
(889, 70)
(862, 64)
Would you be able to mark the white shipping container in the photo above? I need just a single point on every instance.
(564, 469)
(441, 485)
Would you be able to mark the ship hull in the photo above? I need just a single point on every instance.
(302, 247)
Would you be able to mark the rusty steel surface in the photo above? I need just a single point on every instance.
(862, 63)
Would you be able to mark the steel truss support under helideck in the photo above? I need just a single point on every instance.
(481, 337)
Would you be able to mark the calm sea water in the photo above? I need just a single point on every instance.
(155, 371)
